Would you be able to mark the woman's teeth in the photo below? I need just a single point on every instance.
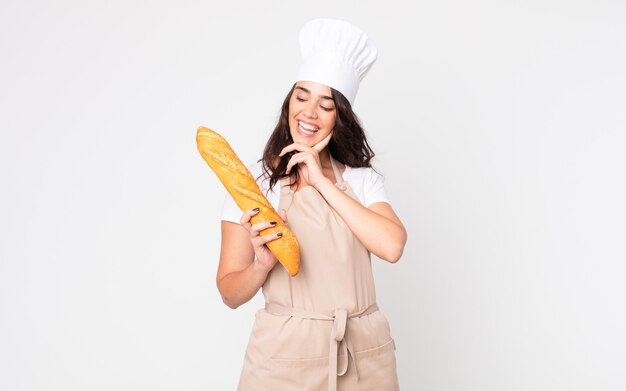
(307, 129)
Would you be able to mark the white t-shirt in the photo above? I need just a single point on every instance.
(364, 181)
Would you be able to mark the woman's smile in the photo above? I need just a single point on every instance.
(307, 129)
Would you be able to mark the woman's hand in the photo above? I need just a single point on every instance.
(308, 160)
(263, 255)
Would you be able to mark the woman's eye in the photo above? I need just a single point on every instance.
(327, 108)
(299, 99)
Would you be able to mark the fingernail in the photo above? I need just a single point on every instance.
(255, 209)
(279, 234)
(272, 222)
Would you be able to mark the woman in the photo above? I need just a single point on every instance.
(322, 328)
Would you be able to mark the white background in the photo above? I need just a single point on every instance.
(498, 125)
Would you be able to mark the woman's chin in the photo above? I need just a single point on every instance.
(308, 141)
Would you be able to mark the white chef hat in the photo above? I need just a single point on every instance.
(335, 53)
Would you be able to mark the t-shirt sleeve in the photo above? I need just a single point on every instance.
(230, 210)
(374, 188)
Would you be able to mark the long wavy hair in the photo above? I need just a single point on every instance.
(348, 144)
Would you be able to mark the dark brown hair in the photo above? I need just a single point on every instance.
(348, 144)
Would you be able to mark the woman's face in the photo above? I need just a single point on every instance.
(312, 112)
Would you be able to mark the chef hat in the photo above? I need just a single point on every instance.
(336, 54)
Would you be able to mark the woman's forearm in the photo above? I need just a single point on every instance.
(382, 236)
(238, 287)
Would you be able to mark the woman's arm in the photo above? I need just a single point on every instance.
(245, 260)
(377, 227)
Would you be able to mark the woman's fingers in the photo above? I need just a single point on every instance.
(295, 159)
(247, 215)
(323, 143)
(268, 238)
(305, 153)
(302, 148)
(255, 229)
(258, 227)
(294, 147)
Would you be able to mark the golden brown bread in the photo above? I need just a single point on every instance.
(242, 186)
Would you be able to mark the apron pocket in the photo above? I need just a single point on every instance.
(309, 374)
(377, 368)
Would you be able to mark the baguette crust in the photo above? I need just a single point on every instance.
(244, 189)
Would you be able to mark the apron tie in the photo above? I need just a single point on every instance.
(339, 341)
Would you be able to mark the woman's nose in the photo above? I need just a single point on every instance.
(311, 109)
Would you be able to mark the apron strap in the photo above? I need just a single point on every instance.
(340, 182)
(339, 341)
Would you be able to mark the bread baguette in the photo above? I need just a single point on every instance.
(242, 186)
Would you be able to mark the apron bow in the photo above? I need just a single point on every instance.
(339, 341)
